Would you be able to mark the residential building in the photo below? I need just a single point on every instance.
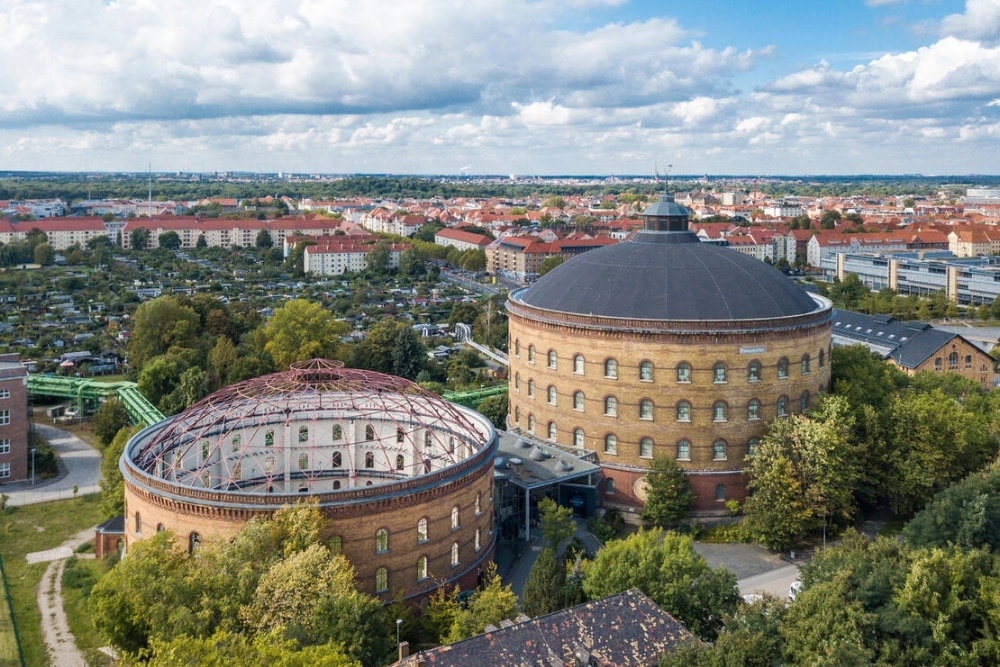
(337, 255)
(461, 240)
(14, 453)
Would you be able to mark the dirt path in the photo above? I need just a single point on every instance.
(55, 629)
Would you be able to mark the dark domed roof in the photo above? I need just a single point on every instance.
(668, 275)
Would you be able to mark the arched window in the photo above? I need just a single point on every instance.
(552, 395)
(552, 359)
(400, 462)
(805, 364)
(205, 478)
(336, 484)
(610, 444)
(578, 400)
(303, 434)
(953, 360)
(369, 432)
(369, 460)
(337, 432)
(646, 448)
(478, 544)
(238, 470)
(428, 440)
(578, 364)
(611, 368)
(194, 543)
(753, 409)
(645, 409)
(138, 524)
(400, 435)
(421, 568)
(517, 382)
(478, 508)
(269, 439)
(422, 530)
(517, 347)
(531, 388)
(752, 446)
(531, 354)
(517, 415)
(937, 363)
(454, 517)
(451, 444)
(720, 492)
(611, 406)
(782, 406)
(269, 465)
(684, 372)
(719, 450)
(683, 450)
(160, 528)
(381, 540)
(804, 401)
(531, 423)
(719, 411)
(753, 371)
(822, 358)
(204, 450)
(646, 371)
(553, 432)
(578, 437)
(609, 486)
(782, 368)
(335, 544)
(336, 460)
(236, 442)
(683, 411)
(719, 373)
(303, 461)
(381, 580)
(454, 554)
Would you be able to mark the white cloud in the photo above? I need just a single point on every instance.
(980, 22)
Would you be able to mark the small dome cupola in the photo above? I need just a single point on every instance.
(666, 215)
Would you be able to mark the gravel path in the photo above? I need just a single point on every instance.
(55, 629)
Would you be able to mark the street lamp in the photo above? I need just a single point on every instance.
(399, 624)
(33, 450)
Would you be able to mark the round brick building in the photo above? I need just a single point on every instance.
(404, 478)
(665, 345)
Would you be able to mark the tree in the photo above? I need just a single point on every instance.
(45, 254)
(556, 521)
(550, 263)
(192, 386)
(301, 330)
(803, 473)
(554, 202)
(665, 567)
(163, 326)
(379, 258)
(495, 408)
(222, 359)
(375, 352)
(201, 242)
(829, 219)
(264, 239)
(544, 587)
(966, 514)
(112, 485)
(408, 354)
(170, 240)
(360, 624)
(139, 238)
(749, 638)
(229, 649)
(490, 605)
(413, 263)
(160, 377)
(110, 418)
(668, 494)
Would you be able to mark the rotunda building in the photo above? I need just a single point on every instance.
(403, 478)
(663, 345)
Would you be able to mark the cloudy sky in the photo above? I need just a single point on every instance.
(501, 86)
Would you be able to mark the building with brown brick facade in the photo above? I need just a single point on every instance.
(404, 478)
(664, 345)
(13, 419)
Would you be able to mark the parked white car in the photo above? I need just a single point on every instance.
(794, 590)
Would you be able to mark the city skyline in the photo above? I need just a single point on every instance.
(506, 86)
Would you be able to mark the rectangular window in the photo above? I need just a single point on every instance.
(4, 417)
(720, 492)
(4, 470)
(5, 393)
(5, 446)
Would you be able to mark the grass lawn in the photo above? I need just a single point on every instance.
(79, 577)
(35, 528)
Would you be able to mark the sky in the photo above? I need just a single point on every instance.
(521, 87)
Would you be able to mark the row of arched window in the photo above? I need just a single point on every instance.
(683, 408)
(423, 534)
(336, 433)
(382, 574)
(720, 371)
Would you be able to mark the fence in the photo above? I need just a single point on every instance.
(11, 654)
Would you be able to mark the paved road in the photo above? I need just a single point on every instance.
(79, 465)
(774, 582)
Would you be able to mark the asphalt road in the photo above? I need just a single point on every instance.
(774, 582)
(79, 466)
